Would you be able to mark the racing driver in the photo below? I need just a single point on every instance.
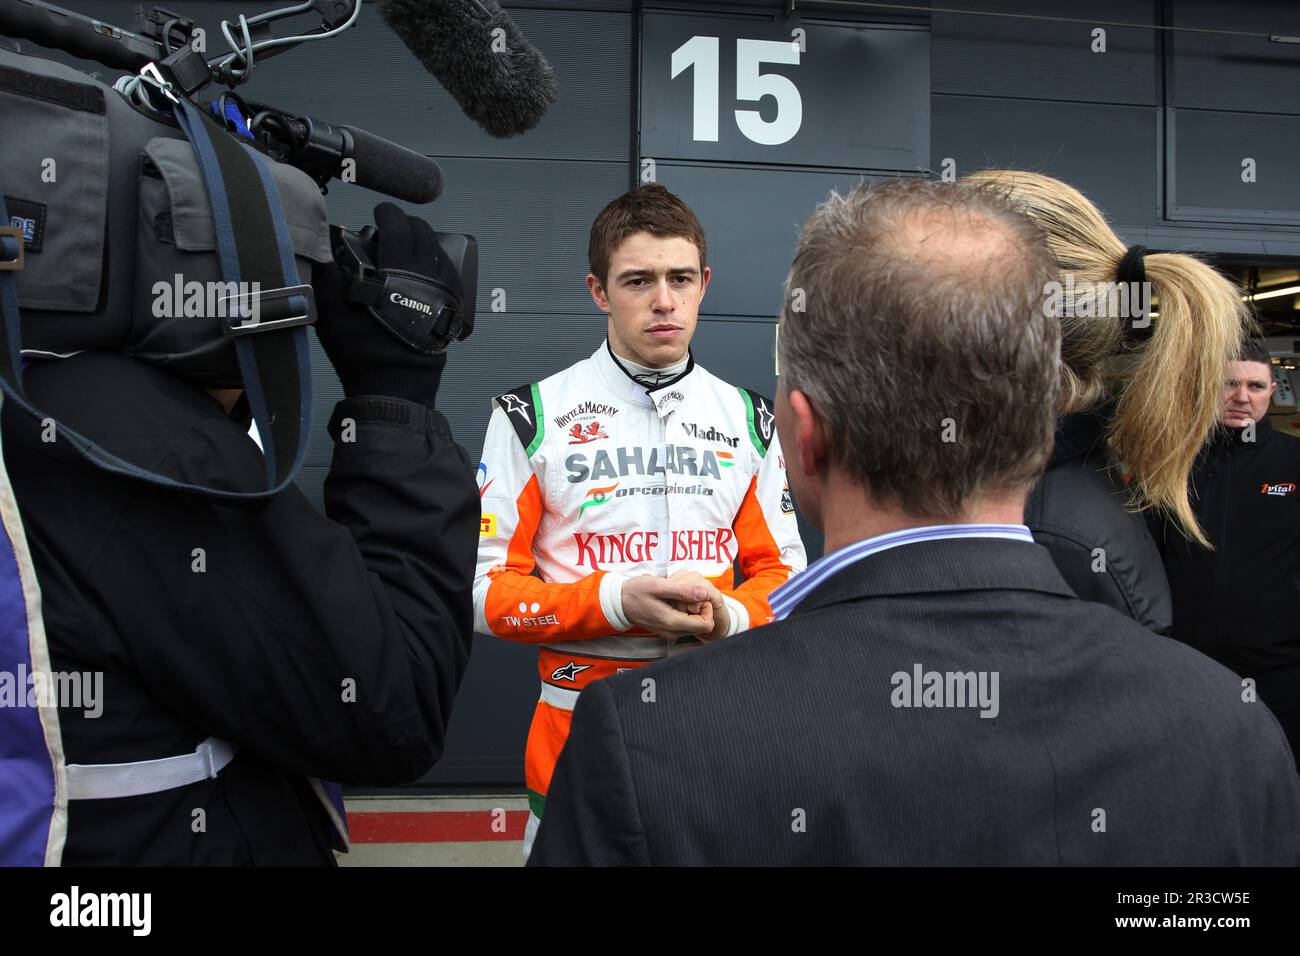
(633, 483)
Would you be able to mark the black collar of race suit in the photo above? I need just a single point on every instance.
(618, 363)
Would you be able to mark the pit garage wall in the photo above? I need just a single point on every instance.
(1154, 129)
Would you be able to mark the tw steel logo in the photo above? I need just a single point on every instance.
(530, 616)
(640, 547)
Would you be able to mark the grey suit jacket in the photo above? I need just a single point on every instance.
(812, 740)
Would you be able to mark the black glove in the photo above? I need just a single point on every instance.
(369, 359)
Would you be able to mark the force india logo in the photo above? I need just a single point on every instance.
(1281, 489)
(669, 460)
(598, 496)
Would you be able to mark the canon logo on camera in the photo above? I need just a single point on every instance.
(415, 304)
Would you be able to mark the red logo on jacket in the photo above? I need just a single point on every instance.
(580, 435)
(1281, 488)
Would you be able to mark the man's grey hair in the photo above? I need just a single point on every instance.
(914, 324)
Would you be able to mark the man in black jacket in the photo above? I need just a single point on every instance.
(310, 646)
(1240, 603)
(932, 691)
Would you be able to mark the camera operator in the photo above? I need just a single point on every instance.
(307, 645)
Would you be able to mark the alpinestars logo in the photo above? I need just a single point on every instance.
(1281, 489)
(598, 496)
(516, 404)
(709, 434)
(570, 671)
(765, 419)
(578, 435)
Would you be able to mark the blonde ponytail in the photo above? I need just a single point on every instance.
(1168, 394)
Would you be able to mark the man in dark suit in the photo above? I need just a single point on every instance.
(932, 692)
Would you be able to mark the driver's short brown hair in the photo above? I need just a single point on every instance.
(650, 208)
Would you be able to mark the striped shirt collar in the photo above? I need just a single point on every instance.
(785, 598)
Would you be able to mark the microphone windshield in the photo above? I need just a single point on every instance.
(480, 57)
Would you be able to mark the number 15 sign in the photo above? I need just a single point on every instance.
(752, 90)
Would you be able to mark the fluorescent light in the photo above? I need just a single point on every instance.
(1272, 293)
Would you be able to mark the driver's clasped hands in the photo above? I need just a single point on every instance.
(684, 603)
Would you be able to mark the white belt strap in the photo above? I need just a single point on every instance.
(561, 697)
(104, 780)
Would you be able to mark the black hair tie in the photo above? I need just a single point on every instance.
(1132, 268)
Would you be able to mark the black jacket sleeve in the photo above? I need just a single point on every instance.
(330, 646)
(591, 816)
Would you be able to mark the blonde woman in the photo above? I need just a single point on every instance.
(1140, 395)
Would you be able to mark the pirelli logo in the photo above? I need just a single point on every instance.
(487, 526)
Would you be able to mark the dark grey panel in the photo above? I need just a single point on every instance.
(603, 6)
(740, 351)
(861, 90)
(1259, 243)
(1208, 150)
(485, 740)
(751, 241)
(367, 78)
(532, 220)
(1212, 71)
(1108, 152)
(507, 351)
(997, 56)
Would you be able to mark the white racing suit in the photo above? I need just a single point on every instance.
(588, 478)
